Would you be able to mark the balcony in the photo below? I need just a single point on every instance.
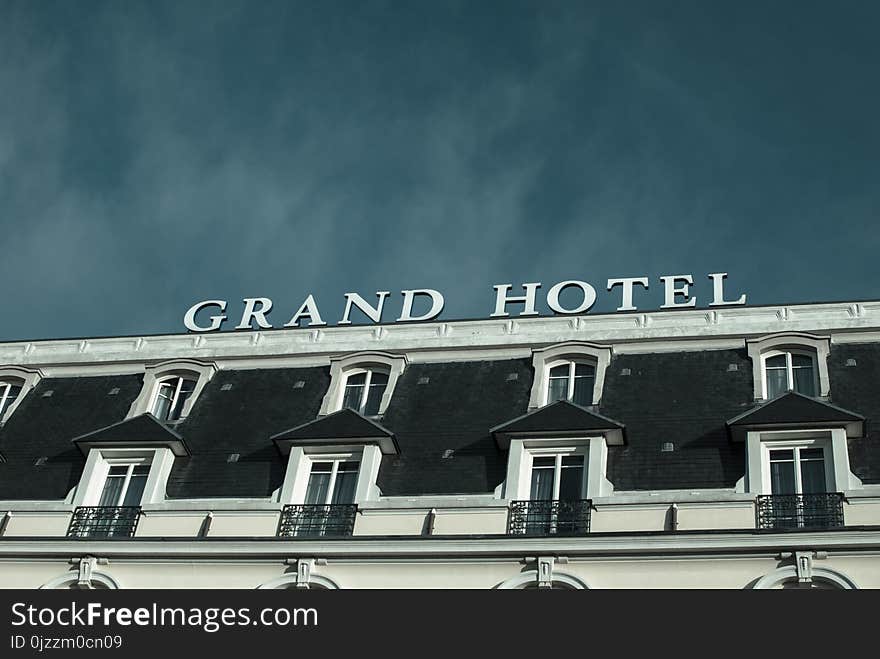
(316, 521)
(104, 522)
(549, 517)
(780, 512)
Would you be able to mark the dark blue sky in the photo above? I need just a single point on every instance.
(155, 154)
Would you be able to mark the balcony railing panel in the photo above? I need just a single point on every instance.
(104, 522)
(310, 520)
(800, 511)
(549, 517)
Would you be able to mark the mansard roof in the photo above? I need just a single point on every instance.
(794, 410)
(674, 405)
(343, 427)
(141, 431)
(559, 419)
(41, 462)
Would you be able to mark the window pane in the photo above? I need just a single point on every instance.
(584, 370)
(804, 381)
(135, 487)
(782, 478)
(571, 483)
(163, 401)
(374, 398)
(782, 454)
(812, 454)
(358, 378)
(353, 396)
(813, 476)
(558, 389)
(377, 378)
(777, 361)
(777, 382)
(560, 371)
(8, 394)
(112, 488)
(186, 390)
(316, 493)
(343, 491)
(583, 391)
(801, 360)
(542, 481)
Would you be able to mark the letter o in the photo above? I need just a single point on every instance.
(588, 291)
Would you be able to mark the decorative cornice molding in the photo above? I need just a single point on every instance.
(239, 349)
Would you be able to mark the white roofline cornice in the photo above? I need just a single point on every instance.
(649, 331)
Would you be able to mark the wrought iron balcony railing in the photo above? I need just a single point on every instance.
(104, 522)
(311, 520)
(549, 517)
(800, 511)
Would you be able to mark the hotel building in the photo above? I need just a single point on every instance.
(721, 448)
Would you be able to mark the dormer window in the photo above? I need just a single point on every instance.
(171, 396)
(364, 391)
(171, 389)
(363, 382)
(792, 361)
(127, 466)
(573, 381)
(15, 383)
(572, 371)
(9, 393)
(790, 371)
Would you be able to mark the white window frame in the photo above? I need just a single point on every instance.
(6, 385)
(818, 347)
(26, 378)
(366, 393)
(759, 443)
(130, 464)
(518, 482)
(94, 477)
(789, 368)
(558, 454)
(796, 446)
(180, 378)
(299, 468)
(335, 461)
(154, 374)
(342, 367)
(572, 365)
(543, 359)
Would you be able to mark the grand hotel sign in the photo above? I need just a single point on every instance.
(676, 290)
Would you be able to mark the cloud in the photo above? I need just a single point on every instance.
(158, 154)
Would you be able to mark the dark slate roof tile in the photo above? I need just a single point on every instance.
(561, 416)
(261, 403)
(144, 429)
(454, 410)
(856, 388)
(684, 398)
(792, 407)
(344, 424)
(43, 426)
